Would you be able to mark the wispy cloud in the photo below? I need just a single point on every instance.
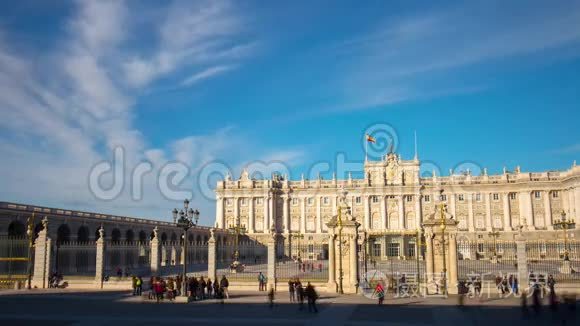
(206, 74)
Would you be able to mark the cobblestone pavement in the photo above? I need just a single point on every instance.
(58, 307)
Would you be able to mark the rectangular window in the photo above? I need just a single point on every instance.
(357, 200)
(244, 201)
(294, 201)
(460, 197)
(229, 202)
(478, 197)
(310, 201)
(409, 198)
(427, 198)
(512, 195)
(495, 196)
(325, 200)
(376, 250)
(443, 197)
(375, 199)
(259, 201)
(393, 250)
(555, 194)
(537, 194)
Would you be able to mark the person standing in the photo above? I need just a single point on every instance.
(224, 284)
(312, 296)
(209, 288)
(139, 284)
(134, 284)
(300, 294)
(261, 282)
(202, 286)
(291, 289)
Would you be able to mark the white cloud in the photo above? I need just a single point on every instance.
(206, 74)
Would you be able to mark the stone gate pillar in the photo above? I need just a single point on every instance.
(212, 256)
(441, 236)
(155, 254)
(522, 260)
(101, 255)
(272, 240)
(42, 258)
(343, 250)
(331, 262)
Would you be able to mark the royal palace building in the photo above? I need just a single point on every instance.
(392, 200)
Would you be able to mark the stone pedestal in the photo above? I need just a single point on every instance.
(100, 263)
(271, 282)
(565, 268)
(441, 254)
(212, 257)
(343, 253)
(522, 260)
(155, 253)
(42, 258)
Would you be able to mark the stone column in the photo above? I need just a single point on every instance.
(266, 226)
(353, 258)
(488, 221)
(401, 212)
(383, 212)
(565, 201)
(100, 263)
(418, 213)
(318, 215)
(547, 211)
(367, 221)
(285, 214)
(212, 257)
(272, 262)
(303, 216)
(236, 211)
(42, 258)
(522, 261)
(429, 256)
(452, 205)
(334, 205)
(577, 206)
(331, 263)
(155, 253)
(219, 212)
(506, 212)
(452, 264)
(526, 211)
(251, 216)
(470, 212)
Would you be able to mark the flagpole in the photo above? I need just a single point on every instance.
(366, 148)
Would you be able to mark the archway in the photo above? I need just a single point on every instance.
(142, 236)
(83, 234)
(16, 229)
(129, 235)
(62, 234)
(116, 235)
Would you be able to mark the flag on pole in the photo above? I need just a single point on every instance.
(371, 139)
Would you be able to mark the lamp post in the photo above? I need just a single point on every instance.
(442, 208)
(185, 219)
(30, 234)
(494, 234)
(565, 225)
(237, 230)
(343, 194)
(299, 236)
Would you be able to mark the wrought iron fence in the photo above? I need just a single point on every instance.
(485, 259)
(252, 259)
(307, 261)
(76, 258)
(13, 257)
(556, 258)
(127, 258)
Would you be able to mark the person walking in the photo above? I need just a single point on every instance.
(224, 284)
(271, 298)
(380, 293)
(209, 288)
(300, 294)
(312, 296)
(202, 286)
(134, 284)
(139, 283)
(291, 289)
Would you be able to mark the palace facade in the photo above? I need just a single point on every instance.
(392, 200)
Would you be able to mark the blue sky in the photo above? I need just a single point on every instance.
(230, 84)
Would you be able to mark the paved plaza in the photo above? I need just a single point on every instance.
(67, 307)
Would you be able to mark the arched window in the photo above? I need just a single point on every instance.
(142, 236)
(116, 235)
(129, 235)
(83, 234)
(62, 234)
(16, 229)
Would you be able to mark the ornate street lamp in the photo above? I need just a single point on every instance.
(494, 234)
(30, 234)
(185, 219)
(565, 225)
(237, 230)
(299, 236)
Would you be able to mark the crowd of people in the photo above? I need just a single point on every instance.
(298, 293)
(198, 288)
